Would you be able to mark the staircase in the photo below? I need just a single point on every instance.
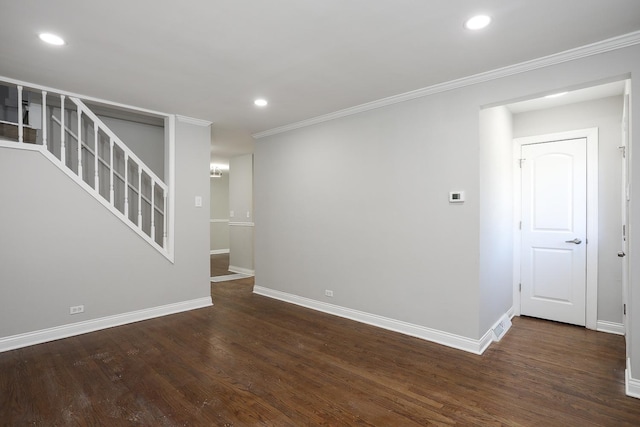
(66, 131)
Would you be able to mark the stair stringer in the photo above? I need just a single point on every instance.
(168, 254)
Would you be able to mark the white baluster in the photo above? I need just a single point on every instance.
(96, 179)
(20, 124)
(126, 184)
(139, 196)
(44, 118)
(153, 211)
(80, 143)
(164, 219)
(111, 198)
(63, 157)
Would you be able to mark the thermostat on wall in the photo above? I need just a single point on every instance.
(456, 197)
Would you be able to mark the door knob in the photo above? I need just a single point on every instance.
(621, 254)
(576, 241)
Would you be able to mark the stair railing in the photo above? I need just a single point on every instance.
(132, 184)
(118, 175)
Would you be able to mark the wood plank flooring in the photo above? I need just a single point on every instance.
(219, 265)
(253, 361)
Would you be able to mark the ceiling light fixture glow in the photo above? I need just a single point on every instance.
(224, 167)
(260, 102)
(478, 22)
(51, 39)
(555, 95)
(215, 173)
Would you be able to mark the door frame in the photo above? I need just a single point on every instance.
(626, 198)
(591, 135)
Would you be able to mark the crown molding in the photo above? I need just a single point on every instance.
(603, 46)
(192, 121)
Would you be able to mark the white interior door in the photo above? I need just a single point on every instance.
(554, 230)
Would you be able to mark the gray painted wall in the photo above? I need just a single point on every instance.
(359, 204)
(496, 215)
(219, 194)
(61, 248)
(146, 141)
(606, 115)
(241, 203)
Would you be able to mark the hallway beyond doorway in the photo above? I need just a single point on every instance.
(219, 269)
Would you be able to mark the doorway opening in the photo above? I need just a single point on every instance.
(556, 249)
(600, 106)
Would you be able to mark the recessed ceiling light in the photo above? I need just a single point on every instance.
(478, 22)
(555, 95)
(51, 39)
(260, 102)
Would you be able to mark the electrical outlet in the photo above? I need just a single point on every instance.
(328, 293)
(76, 309)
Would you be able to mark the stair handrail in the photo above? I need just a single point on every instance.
(114, 140)
(104, 128)
(102, 161)
(142, 168)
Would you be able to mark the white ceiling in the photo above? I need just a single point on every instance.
(570, 97)
(209, 59)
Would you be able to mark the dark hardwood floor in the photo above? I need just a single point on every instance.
(253, 361)
(219, 265)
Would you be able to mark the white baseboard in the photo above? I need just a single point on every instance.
(228, 277)
(65, 331)
(242, 270)
(428, 334)
(610, 327)
(632, 385)
(219, 251)
(502, 326)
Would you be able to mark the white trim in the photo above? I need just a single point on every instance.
(428, 334)
(610, 327)
(593, 194)
(64, 331)
(218, 220)
(632, 385)
(121, 145)
(241, 224)
(15, 124)
(192, 121)
(517, 224)
(591, 134)
(242, 270)
(219, 251)
(228, 277)
(170, 161)
(7, 143)
(84, 97)
(603, 46)
(483, 343)
(91, 192)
